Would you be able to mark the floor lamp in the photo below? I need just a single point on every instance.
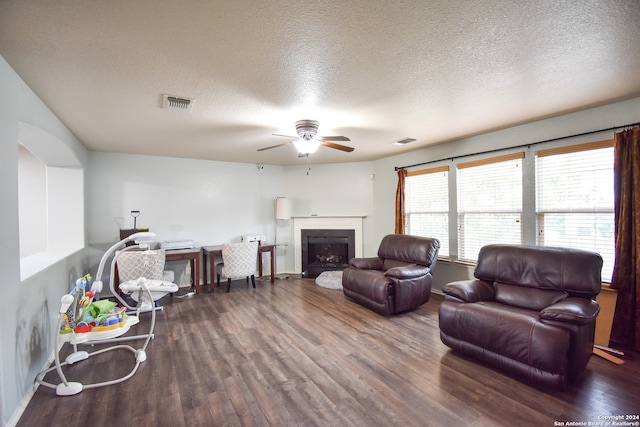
(282, 212)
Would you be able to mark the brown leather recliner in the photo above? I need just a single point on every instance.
(398, 279)
(531, 311)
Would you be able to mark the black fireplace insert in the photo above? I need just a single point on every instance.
(326, 250)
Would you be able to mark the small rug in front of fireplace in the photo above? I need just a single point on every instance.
(330, 279)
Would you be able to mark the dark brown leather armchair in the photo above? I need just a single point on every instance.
(398, 279)
(531, 311)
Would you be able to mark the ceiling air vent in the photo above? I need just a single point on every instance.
(171, 102)
(404, 141)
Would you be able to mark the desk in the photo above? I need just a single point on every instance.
(213, 252)
(193, 255)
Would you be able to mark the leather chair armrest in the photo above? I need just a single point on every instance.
(373, 263)
(407, 271)
(579, 311)
(470, 290)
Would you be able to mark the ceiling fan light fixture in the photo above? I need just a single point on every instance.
(306, 145)
(307, 142)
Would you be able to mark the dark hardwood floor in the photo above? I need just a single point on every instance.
(293, 353)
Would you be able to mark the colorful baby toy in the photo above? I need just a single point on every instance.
(86, 315)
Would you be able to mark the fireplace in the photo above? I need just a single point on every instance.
(326, 250)
(318, 222)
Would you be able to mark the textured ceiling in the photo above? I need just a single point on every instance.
(375, 71)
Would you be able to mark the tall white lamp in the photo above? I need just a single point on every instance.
(283, 212)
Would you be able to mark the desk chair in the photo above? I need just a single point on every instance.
(134, 264)
(238, 261)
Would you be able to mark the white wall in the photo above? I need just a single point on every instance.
(333, 189)
(215, 202)
(205, 201)
(29, 308)
(32, 204)
(64, 208)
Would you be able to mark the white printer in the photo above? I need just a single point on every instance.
(177, 244)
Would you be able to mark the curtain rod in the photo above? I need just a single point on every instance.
(397, 168)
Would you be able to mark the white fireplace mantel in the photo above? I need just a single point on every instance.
(315, 222)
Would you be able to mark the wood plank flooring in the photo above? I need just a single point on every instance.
(295, 354)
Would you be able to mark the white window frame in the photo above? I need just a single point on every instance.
(594, 212)
(410, 214)
(468, 246)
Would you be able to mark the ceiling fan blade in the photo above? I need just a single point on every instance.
(337, 146)
(275, 146)
(285, 136)
(334, 138)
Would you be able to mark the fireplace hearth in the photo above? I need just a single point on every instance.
(326, 250)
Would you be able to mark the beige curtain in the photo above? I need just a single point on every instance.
(400, 209)
(626, 271)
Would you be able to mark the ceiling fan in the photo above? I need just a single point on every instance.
(307, 142)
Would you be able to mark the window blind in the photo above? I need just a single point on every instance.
(427, 205)
(575, 199)
(489, 203)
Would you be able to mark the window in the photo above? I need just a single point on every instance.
(560, 195)
(427, 205)
(575, 199)
(489, 203)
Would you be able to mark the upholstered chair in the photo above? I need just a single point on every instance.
(530, 311)
(134, 264)
(238, 261)
(398, 279)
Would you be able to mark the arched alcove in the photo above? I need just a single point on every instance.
(51, 193)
